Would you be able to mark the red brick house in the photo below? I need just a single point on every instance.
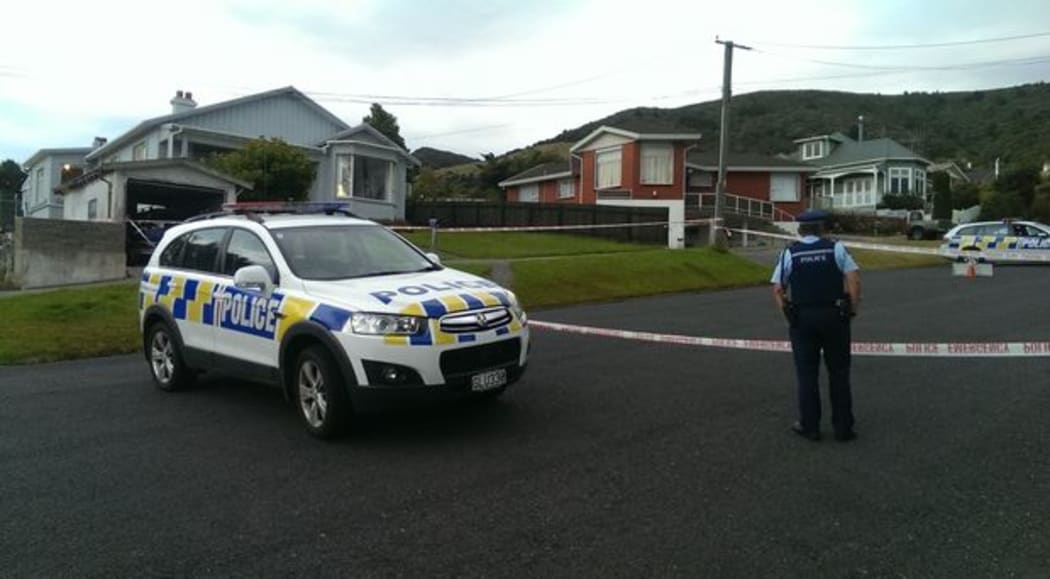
(779, 180)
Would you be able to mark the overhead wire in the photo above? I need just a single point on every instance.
(914, 46)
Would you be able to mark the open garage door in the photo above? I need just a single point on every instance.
(153, 206)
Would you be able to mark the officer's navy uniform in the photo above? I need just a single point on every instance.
(812, 270)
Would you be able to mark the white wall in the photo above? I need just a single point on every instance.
(675, 216)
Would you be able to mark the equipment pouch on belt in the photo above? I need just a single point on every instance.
(845, 307)
(791, 314)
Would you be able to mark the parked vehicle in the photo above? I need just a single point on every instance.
(919, 225)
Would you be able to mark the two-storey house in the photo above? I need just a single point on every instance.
(853, 175)
(155, 169)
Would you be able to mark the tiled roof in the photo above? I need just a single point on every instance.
(710, 159)
(538, 172)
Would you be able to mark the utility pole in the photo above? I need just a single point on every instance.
(723, 132)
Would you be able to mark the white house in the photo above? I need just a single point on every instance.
(153, 171)
(45, 171)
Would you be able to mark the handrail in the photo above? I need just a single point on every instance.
(743, 205)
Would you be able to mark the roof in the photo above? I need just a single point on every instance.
(640, 130)
(149, 124)
(42, 153)
(740, 161)
(374, 132)
(849, 152)
(544, 172)
(95, 174)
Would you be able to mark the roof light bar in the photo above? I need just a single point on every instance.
(308, 207)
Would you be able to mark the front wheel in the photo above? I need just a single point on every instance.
(165, 359)
(916, 233)
(320, 393)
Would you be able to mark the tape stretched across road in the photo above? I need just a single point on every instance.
(992, 254)
(548, 227)
(900, 349)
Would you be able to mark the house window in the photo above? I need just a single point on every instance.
(783, 187)
(364, 177)
(900, 180)
(92, 210)
(608, 169)
(38, 185)
(920, 182)
(566, 189)
(701, 179)
(657, 164)
(813, 150)
(529, 193)
(138, 152)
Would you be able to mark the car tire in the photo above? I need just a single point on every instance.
(916, 233)
(320, 394)
(166, 362)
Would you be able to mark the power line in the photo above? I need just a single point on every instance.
(904, 46)
(908, 67)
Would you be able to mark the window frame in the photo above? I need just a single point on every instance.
(796, 195)
(903, 175)
(561, 188)
(618, 152)
(216, 266)
(533, 187)
(649, 150)
(142, 146)
(275, 273)
(92, 209)
(817, 150)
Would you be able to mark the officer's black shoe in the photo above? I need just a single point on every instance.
(813, 435)
(845, 436)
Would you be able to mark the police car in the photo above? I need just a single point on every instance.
(1018, 238)
(341, 312)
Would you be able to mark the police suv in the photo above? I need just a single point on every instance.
(341, 312)
(1019, 239)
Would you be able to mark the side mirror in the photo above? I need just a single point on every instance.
(434, 258)
(253, 278)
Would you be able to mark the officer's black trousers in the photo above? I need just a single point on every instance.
(822, 329)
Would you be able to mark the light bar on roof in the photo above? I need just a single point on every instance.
(327, 207)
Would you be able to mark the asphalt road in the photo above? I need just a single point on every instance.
(611, 458)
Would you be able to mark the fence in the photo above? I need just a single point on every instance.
(486, 214)
(742, 205)
(53, 252)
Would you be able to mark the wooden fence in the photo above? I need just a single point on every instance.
(487, 214)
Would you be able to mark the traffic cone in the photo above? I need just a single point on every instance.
(971, 269)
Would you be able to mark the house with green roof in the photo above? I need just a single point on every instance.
(854, 175)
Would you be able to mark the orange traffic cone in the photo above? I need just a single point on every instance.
(971, 269)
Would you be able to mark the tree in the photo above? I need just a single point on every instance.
(278, 171)
(942, 196)
(1020, 180)
(11, 179)
(1001, 205)
(965, 196)
(385, 123)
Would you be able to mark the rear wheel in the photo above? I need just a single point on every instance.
(320, 393)
(916, 233)
(165, 359)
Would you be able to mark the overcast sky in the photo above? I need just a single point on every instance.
(73, 70)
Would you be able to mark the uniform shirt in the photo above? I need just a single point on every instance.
(842, 258)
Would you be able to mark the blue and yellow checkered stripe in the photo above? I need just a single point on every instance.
(1000, 242)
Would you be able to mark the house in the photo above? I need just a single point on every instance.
(853, 175)
(154, 170)
(780, 181)
(45, 171)
(639, 163)
(647, 163)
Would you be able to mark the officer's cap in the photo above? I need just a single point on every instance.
(813, 216)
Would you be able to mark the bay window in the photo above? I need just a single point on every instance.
(900, 180)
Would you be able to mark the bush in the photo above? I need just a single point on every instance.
(965, 196)
(901, 201)
(997, 205)
(866, 224)
(1041, 207)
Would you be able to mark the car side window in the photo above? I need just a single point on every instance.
(172, 254)
(202, 250)
(245, 248)
(1034, 231)
(993, 230)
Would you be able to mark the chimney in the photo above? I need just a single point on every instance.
(860, 128)
(98, 142)
(182, 102)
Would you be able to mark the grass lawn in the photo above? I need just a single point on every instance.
(606, 277)
(514, 245)
(69, 323)
(479, 269)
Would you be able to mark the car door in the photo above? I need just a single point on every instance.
(187, 285)
(246, 319)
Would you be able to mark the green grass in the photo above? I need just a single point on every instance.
(69, 323)
(479, 269)
(516, 245)
(615, 276)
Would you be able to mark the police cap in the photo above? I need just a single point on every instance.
(813, 216)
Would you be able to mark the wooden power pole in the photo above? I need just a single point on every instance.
(723, 132)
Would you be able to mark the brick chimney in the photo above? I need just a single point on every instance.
(182, 102)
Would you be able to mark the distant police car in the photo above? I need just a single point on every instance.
(341, 312)
(1016, 237)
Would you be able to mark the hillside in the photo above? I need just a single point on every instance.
(977, 126)
(438, 159)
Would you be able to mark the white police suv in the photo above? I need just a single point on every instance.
(341, 312)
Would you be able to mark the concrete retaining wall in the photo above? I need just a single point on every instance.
(54, 252)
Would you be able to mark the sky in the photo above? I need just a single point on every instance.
(479, 76)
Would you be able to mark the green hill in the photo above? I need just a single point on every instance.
(976, 126)
(439, 159)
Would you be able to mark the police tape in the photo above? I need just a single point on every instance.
(507, 229)
(947, 253)
(899, 349)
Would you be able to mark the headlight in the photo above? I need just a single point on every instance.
(516, 308)
(386, 324)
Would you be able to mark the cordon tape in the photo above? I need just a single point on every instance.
(548, 227)
(900, 349)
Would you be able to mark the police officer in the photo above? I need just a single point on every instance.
(816, 284)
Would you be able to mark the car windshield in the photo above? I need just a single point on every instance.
(348, 251)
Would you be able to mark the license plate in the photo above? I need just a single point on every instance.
(488, 380)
